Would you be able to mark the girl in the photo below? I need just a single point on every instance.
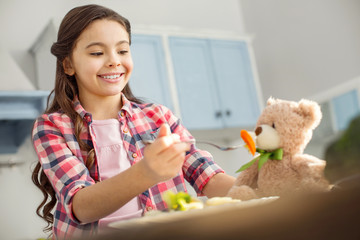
(94, 163)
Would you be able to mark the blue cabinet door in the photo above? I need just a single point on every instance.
(235, 83)
(195, 81)
(215, 83)
(149, 78)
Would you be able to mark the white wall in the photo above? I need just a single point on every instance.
(304, 47)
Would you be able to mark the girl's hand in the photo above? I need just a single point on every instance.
(164, 157)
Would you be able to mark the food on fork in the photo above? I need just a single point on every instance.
(249, 142)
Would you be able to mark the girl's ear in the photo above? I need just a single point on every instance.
(68, 68)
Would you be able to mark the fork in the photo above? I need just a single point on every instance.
(192, 141)
(222, 148)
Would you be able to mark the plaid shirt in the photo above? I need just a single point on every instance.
(64, 163)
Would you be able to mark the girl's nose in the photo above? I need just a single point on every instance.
(114, 64)
(114, 61)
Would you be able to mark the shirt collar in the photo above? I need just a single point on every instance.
(127, 106)
(79, 108)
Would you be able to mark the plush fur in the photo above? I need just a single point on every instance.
(287, 125)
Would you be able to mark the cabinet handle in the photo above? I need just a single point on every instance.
(228, 113)
(218, 114)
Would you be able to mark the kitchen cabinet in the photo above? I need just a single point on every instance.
(215, 83)
(149, 78)
(18, 110)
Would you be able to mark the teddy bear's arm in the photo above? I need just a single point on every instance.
(248, 177)
(245, 184)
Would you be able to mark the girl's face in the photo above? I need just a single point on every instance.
(101, 60)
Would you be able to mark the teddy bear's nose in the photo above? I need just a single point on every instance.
(258, 130)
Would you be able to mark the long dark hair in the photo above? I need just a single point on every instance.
(73, 24)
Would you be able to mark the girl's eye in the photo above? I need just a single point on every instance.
(122, 52)
(96, 53)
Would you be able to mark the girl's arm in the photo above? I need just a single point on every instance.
(162, 160)
(218, 185)
(103, 198)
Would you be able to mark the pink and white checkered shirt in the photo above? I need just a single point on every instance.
(64, 163)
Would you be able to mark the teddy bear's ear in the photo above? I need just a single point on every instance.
(311, 112)
(270, 101)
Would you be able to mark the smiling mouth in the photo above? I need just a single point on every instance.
(111, 76)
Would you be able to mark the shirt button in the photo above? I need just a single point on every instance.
(134, 155)
(149, 208)
(122, 114)
(125, 130)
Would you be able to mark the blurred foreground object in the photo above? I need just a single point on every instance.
(330, 215)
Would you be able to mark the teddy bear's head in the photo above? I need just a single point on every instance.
(287, 124)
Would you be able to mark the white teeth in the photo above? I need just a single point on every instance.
(111, 76)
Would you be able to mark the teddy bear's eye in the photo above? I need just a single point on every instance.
(273, 125)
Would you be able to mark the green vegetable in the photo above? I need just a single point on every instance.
(179, 201)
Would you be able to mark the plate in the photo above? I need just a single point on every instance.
(158, 217)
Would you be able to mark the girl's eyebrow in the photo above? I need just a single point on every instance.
(103, 45)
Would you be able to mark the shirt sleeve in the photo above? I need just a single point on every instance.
(56, 148)
(199, 166)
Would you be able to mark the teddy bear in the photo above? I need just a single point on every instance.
(282, 131)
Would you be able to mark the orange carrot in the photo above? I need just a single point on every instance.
(250, 144)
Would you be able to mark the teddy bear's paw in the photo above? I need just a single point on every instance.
(242, 192)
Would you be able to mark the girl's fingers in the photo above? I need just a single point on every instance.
(173, 166)
(163, 143)
(158, 158)
(164, 130)
(166, 155)
(173, 151)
